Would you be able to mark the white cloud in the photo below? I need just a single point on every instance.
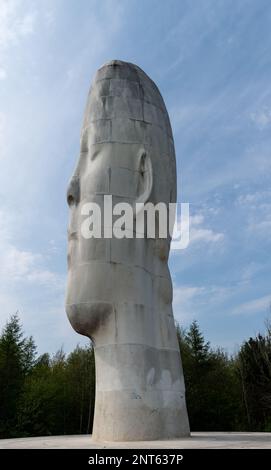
(25, 266)
(257, 207)
(254, 200)
(200, 234)
(20, 265)
(186, 293)
(253, 306)
(189, 302)
(28, 285)
(15, 264)
(17, 20)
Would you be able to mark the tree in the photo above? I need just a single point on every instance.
(59, 394)
(36, 410)
(81, 389)
(198, 348)
(255, 376)
(213, 392)
(17, 355)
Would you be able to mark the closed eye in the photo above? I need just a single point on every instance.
(94, 154)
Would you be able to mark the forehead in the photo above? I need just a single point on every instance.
(123, 104)
(126, 135)
(125, 112)
(117, 130)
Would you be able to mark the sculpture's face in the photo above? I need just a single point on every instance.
(94, 282)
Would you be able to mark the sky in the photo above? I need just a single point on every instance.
(211, 61)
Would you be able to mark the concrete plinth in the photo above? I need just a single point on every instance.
(198, 440)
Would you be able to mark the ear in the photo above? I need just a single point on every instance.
(145, 180)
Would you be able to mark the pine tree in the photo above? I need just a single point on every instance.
(255, 376)
(17, 355)
(195, 340)
(213, 392)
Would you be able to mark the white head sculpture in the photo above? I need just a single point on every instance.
(119, 291)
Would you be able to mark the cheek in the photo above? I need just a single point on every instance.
(106, 177)
(124, 183)
(95, 179)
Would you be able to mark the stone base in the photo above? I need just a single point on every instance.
(198, 440)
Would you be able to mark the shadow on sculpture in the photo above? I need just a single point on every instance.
(119, 291)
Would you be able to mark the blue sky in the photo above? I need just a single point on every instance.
(211, 60)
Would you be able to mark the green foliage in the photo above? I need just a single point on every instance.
(213, 391)
(46, 395)
(17, 355)
(59, 395)
(80, 390)
(255, 375)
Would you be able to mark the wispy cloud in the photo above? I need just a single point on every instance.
(17, 20)
(254, 306)
(257, 207)
(190, 302)
(30, 285)
(25, 266)
(20, 265)
(200, 234)
(254, 199)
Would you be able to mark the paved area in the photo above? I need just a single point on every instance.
(198, 440)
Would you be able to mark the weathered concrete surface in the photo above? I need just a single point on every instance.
(119, 291)
(198, 440)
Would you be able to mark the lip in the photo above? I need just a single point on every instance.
(72, 236)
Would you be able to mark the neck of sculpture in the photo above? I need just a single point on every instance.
(139, 376)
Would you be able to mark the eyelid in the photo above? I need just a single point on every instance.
(94, 154)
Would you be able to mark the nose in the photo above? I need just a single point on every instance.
(73, 192)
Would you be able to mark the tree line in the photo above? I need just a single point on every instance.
(55, 395)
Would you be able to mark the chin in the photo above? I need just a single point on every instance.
(87, 318)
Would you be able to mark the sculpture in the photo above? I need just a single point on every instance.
(119, 291)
